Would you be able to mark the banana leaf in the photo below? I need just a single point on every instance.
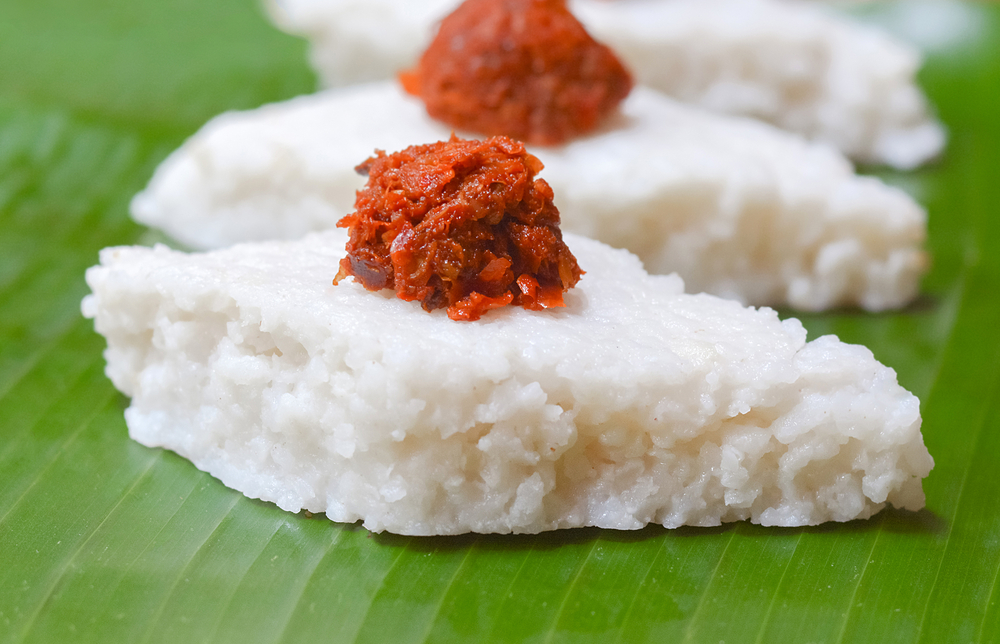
(103, 540)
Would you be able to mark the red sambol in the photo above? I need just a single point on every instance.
(522, 68)
(459, 224)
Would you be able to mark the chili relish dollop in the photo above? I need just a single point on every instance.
(523, 68)
(460, 224)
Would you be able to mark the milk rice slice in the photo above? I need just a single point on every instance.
(794, 64)
(737, 208)
(635, 404)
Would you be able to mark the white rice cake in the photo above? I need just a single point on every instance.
(635, 404)
(793, 64)
(738, 208)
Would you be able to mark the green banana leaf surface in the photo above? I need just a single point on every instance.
(103, 540)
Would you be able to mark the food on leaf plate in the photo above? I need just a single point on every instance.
(794, 64)
(453, 362)
(617, 402)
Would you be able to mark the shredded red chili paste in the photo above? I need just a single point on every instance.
(523, 68)
(459, 224)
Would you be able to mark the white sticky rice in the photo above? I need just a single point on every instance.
(736, 207)
(794, 64)
(635, 404)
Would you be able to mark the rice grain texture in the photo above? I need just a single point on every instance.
(635, 404)
(794, 64)
(738, 208)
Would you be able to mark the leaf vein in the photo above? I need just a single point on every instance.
(444, 591)
(180, 575)
(67, 441)
(302, 591)
(55, 583)
(689, 629)
(774, 596)
(569, 590)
